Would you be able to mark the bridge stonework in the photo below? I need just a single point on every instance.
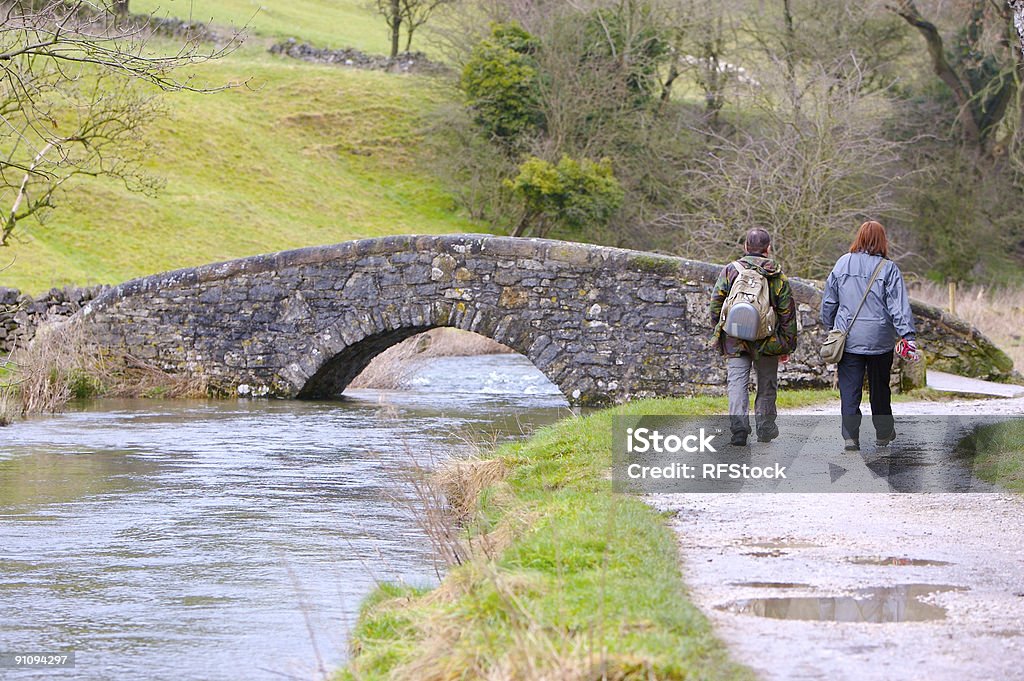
(603, 324)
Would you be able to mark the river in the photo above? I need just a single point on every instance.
(172, 539)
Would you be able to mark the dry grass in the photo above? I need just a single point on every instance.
(462, 480)
(10, 408)
(392, 368)
(998, 313)
(60, 365)
(52, 368)
(445, 500)
(129, 376)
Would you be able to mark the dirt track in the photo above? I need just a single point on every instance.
(746, 546)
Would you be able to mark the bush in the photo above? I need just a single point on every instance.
(500, 81)
(573, 195)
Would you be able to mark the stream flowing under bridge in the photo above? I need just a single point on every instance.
(603, 324)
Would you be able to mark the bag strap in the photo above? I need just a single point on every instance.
(866, 292)
(739, 265)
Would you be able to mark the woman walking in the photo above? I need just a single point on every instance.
(867, 289)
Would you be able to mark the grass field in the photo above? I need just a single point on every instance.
(305, 154)
(326, 23)
(569, 581)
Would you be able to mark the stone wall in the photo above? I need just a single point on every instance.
(603, 324)
(21, 314)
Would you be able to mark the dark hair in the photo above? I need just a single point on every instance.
(758, 240)
(871, 239)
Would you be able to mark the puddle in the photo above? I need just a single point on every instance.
(765, 554)
(1006, 633)
(782, 544)
(900, 603)
(772, 585)
(897, 561)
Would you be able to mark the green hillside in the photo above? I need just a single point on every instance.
(332, 23)
(306, 154)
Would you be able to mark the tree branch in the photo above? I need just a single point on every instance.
(940, 65)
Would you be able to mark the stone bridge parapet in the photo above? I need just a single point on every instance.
(603, 324)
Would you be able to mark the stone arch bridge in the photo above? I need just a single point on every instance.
(603, 324)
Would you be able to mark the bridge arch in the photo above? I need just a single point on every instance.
(603, 324)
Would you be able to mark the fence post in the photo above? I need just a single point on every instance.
(952, 297)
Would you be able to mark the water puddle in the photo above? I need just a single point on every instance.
(783, 544)
(897, 561)
(772, 585)
(775, 553)
(901, 603)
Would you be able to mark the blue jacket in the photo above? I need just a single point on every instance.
(886, 315)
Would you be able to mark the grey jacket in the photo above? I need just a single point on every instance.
(886, 315)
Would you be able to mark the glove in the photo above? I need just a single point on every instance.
(907, 350)
(784, 358)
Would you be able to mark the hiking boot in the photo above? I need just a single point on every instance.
(768, 436)
(884, 441)
(738, 440)
(852, 446)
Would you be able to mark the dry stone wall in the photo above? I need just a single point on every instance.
(21, 314)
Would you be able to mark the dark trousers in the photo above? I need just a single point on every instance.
(851, 384)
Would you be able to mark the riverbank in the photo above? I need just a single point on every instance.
(559, 578)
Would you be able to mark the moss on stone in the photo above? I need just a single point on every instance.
(654, 264)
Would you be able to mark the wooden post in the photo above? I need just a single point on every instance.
(952, 297)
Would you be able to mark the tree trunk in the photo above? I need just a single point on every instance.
(666, 87)
(396, 26)
(941, 67)
(790, 46)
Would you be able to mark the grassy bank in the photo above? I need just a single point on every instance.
(997, 451)
(306, 154)
(560, 579)
(330, 23)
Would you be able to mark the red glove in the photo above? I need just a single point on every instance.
(907, 349)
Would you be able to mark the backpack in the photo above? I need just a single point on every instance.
(747, 311)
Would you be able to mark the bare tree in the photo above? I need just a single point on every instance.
(806, 170)
(415, 13)
(1017, 7)
(984, 79)
(72, 102)
(391, 10)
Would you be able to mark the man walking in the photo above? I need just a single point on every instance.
(776, 338)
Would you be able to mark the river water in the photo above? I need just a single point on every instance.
(236, 539)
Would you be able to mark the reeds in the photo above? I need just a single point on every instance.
(997, 312)
(52, 368)
(60, 364)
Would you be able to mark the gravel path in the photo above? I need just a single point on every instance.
(958, 557)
